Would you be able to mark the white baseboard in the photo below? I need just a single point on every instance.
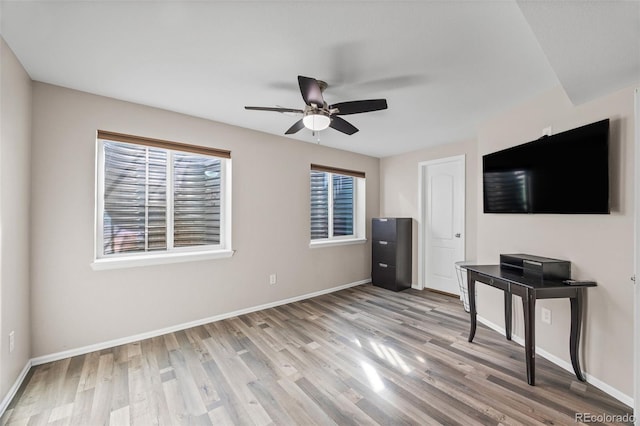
(14, 389)
(130, 339)
(142, 336)
(620, 396)
(626, 399)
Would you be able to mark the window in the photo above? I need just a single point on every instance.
(337, 205)
(158, 200)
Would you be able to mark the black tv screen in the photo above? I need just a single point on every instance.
(564, 173)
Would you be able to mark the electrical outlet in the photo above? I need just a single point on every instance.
(12, 341)
(546, 315)
(273, 279)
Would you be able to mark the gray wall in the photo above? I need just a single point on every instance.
(399, 187)
(15, 151)
(600, 247)
(74, 306)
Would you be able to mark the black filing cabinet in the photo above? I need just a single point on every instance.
(391, 253)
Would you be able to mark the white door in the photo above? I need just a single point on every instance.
(443, 217)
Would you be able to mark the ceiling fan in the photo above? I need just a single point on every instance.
(317, 115)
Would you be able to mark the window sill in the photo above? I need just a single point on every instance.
(331, 243)
(158, 259)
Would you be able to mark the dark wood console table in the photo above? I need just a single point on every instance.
(529, 289)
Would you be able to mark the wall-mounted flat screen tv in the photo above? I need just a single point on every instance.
(564, 173)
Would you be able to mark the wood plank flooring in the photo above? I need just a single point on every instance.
(356, 357)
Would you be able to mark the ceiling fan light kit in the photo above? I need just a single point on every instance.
(316, 121)
(317, 115)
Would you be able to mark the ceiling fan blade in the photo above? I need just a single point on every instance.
(295, 128)
(255, 108)
(310, 91)
(357, 107)
(342, 125)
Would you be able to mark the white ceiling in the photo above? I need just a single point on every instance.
(443, 66)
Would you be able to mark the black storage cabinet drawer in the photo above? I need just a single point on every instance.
(383, 275)
(391, 253)
(384, 252)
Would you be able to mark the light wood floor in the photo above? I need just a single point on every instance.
(359, 356)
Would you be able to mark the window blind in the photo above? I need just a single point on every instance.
(157, 199)
(343, 205)
(135, 202)
(319, 205)
(197, 198)
(332, 201)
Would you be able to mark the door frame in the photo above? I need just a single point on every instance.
(423, 230)
(636, 308)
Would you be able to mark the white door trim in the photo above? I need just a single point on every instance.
(636, 309)
(422, 211)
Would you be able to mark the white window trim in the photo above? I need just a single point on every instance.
(359, 218)
(336, 242)
(158, 259)
(176, 255)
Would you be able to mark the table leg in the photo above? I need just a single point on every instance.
(471, 294)
(576, 326)
(507, 313)
(529, 305)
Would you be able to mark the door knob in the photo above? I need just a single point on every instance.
(458, 235)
